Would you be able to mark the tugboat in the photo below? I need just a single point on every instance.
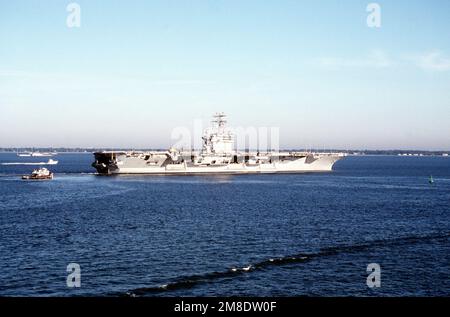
(39, 174)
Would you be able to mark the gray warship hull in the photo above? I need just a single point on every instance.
(110, 162)
(217, 156)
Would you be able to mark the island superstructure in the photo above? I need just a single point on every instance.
(217, 156)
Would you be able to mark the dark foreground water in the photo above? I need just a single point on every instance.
(259, 235)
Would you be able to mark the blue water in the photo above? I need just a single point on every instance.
(303, 234)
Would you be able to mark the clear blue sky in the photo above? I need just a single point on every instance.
(137, 69)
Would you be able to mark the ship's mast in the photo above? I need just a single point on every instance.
(218, 140)
(220, 121)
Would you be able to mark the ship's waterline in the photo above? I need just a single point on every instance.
(217, 156)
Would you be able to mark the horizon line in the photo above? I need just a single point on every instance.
(16, 149)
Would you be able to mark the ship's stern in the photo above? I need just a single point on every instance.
(105, 162)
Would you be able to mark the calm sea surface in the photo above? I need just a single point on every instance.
(258, 235)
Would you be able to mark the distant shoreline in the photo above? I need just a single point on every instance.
(413, 153)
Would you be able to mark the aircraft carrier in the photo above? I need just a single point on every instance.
(217, 156)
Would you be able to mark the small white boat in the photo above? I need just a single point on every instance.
(36, 154)
(28, 154)
(49, 162)
(52, 162)
(41, 154)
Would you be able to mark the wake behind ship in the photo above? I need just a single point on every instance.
(217, 156)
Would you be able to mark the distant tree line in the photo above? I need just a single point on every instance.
(351, 152)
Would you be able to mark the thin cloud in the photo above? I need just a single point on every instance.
(432, 61)
(18, 73)
(376, 59)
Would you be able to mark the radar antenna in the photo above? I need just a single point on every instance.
(220, 120)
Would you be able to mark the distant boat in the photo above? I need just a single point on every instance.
(49, 162)
(40, 154)
(24, 154)
(431, 180)
(36, 154)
